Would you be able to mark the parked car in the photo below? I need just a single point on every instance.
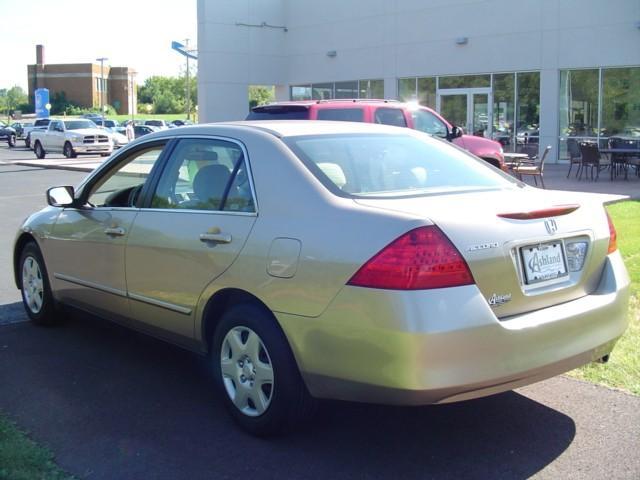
(8, 133)
(38, 124)
(19, 128)
(387, 112)
(106, 123)
(71, 138)
(315, 260)
(140, 130)
(119, 140)
(181, 123)
(159, 124)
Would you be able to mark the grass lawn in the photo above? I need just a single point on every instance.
(22, 459)
(623, 368)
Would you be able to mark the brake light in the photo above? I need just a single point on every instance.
(421, 259)
(554, 211)
(613, 236)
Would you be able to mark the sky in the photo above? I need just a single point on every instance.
(130, 33)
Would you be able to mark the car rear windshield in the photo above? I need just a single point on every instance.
(365, 165)
(341, 114)
(279, 112)
(42, 123)
(154, 123)
(78, 124)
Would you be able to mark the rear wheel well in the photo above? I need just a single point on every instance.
(221, 302)
(20, 243)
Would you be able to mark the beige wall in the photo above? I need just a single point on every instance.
(79, 83)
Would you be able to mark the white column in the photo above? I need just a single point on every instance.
(549, 112)
(390, 88)
(282, 93)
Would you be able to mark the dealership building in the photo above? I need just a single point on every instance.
(525, 71)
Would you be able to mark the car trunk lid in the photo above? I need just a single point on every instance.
(527, 249)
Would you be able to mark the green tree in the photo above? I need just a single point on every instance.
(259, 95)
(11, 98)
(167, 94)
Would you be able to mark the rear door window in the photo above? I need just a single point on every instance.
(279, 112)
(341, 114)
(390, 116)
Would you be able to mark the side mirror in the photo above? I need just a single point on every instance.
(60, 196)
(456, 132)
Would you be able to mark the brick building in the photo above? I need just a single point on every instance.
(82, 83)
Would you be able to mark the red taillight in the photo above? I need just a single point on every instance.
(421, 259)
(613, 236)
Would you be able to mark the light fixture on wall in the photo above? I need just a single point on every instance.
(332, 53)
(462, 40)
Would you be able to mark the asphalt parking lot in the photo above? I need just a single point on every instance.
(111, 403)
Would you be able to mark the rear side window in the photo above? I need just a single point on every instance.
(279, 112)
(341, 114)
(390, 116)
(392, 165)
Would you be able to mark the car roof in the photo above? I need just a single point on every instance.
(287, 128)
(335, 101)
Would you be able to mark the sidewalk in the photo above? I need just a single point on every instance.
(555, 177)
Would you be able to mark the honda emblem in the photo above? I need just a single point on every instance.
(551, 226)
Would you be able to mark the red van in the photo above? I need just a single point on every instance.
(388, 112)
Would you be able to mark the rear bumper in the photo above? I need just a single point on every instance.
(436, 346)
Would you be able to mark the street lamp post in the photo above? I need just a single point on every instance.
(188, 86)
(102, 60)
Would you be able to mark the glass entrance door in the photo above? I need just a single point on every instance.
(469, 108)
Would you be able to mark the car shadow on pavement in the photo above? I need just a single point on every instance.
(111, 403)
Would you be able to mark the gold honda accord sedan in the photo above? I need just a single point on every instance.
(331, 260)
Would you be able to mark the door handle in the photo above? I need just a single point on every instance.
(115, 231)
(215, 237)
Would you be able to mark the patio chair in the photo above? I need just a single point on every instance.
(531, 149)
(574, 155)
(591, 159)
(534, 167)
(620, 163)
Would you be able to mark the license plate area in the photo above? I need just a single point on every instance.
(544, 263)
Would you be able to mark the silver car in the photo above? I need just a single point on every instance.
(314, 260)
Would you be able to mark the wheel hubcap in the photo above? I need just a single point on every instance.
(32, 284)
(247, 372)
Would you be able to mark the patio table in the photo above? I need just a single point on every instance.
(623, 154)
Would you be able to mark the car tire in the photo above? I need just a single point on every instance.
(27, 142)
(37, 148)
(34, 284)
(256, 373)
(11, 141)
(68, 152)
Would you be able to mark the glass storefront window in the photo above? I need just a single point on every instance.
(427, 91)
(371, 88)
(503, 109)
(300, 92)
(621, 102)
(465, 81)
(579, 103)
(322, 91)
(407, 89)
(346, 89)
(528, 106)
